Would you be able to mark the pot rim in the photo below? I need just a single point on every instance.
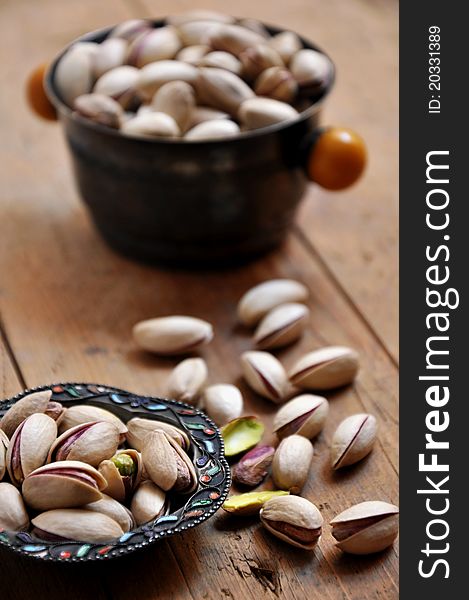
(102, 33)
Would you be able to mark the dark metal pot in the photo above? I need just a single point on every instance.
(196, 202)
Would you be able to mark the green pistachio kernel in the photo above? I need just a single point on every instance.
(124, 463)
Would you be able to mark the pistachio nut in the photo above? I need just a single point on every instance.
(75, 524)
(304, 415)
(253, 466)
(151, 125)
(211, 130)
(221, 60)
(353, 440)
(325, 369)
(250, 503)
(199, 15)
(167, 464)
(154, 75)
(265, 375)
(281, 326)
(29, 446)
(312, 70)
(294, 520)
(162, 43)
(291, 464)
(32, 403)
(149, 502)
(200, 114)
(100, 109)
(74, 74)
(261, 112)
(63, 484)
(265, 296)
(277, 83)
(85, 413)
(254, 25)
(89, 48)
(55, 411)
(143, 109)
(113, 509)
(195, 33)
(139, 428)
(258, 58)
(4, 442)
(13, 515)
(366, 527)
(121, 84)
(129, 30)
(193, 54)
(176, 99)
(122, 473)
(287, 44)
(234, 39)
(110, 54)
(173, 335)
(187, 380)
(221, 89)
(241, 434)
(222, 402)
(90, 443)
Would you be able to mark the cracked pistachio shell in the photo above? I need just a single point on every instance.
(32, 403)
(283, 325)
(312, 70)
(29, 446)
(265, 375)
(176, 99)
(221, 60)
(13, 515)
(210, 130)
(265, 296)
(155, 75)
(366, 528)
(120, 486)
(4, 442)
(222, 402)
(129, 30)
(221, 89)
(120, 84)
(63, 484)
(110, 54)
(234, 39)
(173, 335)
(139, 428)
(199, 15)
(287, 44)
(250, 503)
(193, 54)
(304, 415)
(100, 109)
(162, 43)
(166, 463)
(113, 509)
(148, 502)
(241, 435)
(253, 466)
(76, 524)
(90, 443)
(353, 440)
(259, 112)
(258, 58)
(195, 33)
(294, 520)
(277, 83)
(151, 125)
(187, 380)
(292, 462)
(85, 413)
(74, 74)
(325, 369)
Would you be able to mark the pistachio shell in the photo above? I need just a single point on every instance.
(304, 415)
(193, 54)
(113, 509)
(176, 99)
(29, 446)
(100, 109)
(312, 70)
(250, 503)
(120, 83)
(221, 60)
(162, 43)
(222, 402)
(292, 462)
(253, 466)
(265, 296)
(85, 413)
(258, 58)
(154, 75)
(30, 404)
(118, 486)
(287, 44)
(241, 435)
(283, 325)
(13, 515)
(187, 380)
(254, 25)
(294, 520)
(199, 15)
(325, 369)
(265, 375)
(353, 440)
(211, 130)
(63, 484)
(90, 442)
(76, 524)
(129, 30)
(195, 33)
(172, 335)
(139, 429)
(148, 502)
(74, 74)
(234, 39)
(151, 125)
(4, 442)
(262, 112)
(222, 89)
(366, 527)
(110, 54)
(55, 411)
(277, 83)
(201, 114)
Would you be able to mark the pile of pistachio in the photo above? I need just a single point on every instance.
(203, 75)
(277, 311)
(70, 478)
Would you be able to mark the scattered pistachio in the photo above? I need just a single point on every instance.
(241, 435)
(172, 335)
(265, 375)
(222, 402)
(250, 503)
(291, 464)
(304, 415)
(253, 466)
(353, 440)
(187, 380)
(283, 325)
(325, 369)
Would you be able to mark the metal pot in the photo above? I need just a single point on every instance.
(196, 202)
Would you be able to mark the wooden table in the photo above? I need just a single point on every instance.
(67, 305)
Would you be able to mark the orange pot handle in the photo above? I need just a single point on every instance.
(36, 95)
(336, 158)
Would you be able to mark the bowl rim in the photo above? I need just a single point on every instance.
(65, 111)
(126, 549)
